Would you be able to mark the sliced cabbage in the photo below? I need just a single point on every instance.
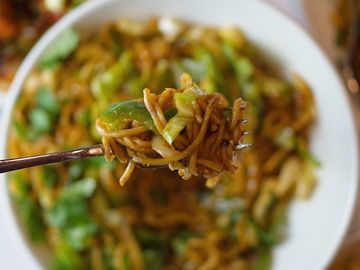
(161, 147)
(107, 83)
(184, 116)
(174, 127)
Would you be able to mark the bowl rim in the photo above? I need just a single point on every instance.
(6, 205)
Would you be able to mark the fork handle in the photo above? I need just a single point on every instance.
(12, 164)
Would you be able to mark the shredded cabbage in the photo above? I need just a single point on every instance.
(184, 116)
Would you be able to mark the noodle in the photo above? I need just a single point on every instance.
(215, 108)
(154, 219)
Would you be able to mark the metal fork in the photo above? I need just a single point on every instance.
(12, 164)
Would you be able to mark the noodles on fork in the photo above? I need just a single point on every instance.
(201, 121)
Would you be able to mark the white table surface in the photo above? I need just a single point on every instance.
(309, 13)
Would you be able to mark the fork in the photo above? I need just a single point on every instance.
(13, 164)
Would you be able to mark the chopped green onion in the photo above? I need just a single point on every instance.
(60, 49)
(41, 121)
(80, 189)
(78, 235)
(47, 100)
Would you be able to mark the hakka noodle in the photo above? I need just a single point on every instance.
(156, 220)
(203, 136)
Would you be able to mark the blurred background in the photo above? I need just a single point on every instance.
(22, 22)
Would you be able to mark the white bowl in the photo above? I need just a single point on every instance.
(316, 227)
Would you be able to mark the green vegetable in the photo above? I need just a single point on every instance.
(85, 118)
(138, 82)
(196, 69)
(60, 49)
(174, 127)
(30, 214)
(97, 162)
(148, 237)
(234, 37)
(273, 87)
(127, 262)
(162, 147)
(66, 213)
(249, 88)
(307, 155)
(243, 68)
(161, 77)
(41, 121)
(107, 83)
(170, 113)
(184, 116)
(29, 211)
(71, 214)
(115, 117)
(65, 258)
(183, 102)
(278, 221)
(214, 82)
(264, 260)
(42, 117)
(23, 131)
(47, 100)
(77, 235)
(154, 259)
(20, 129)
(176, 70)
(108, 257)
(81, 189)
(180, 241)
(286, 139)
(49, 176)
(274, 233)
(18, 186)
(76, 170)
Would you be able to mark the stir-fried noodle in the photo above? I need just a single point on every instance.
(157, 221)
(206, 142)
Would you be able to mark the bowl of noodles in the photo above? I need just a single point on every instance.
(286, 206)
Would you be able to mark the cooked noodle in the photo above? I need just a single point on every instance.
(156, 220)
(215, 133)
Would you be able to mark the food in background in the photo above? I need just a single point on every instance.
(157, 220)
(22, 22)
